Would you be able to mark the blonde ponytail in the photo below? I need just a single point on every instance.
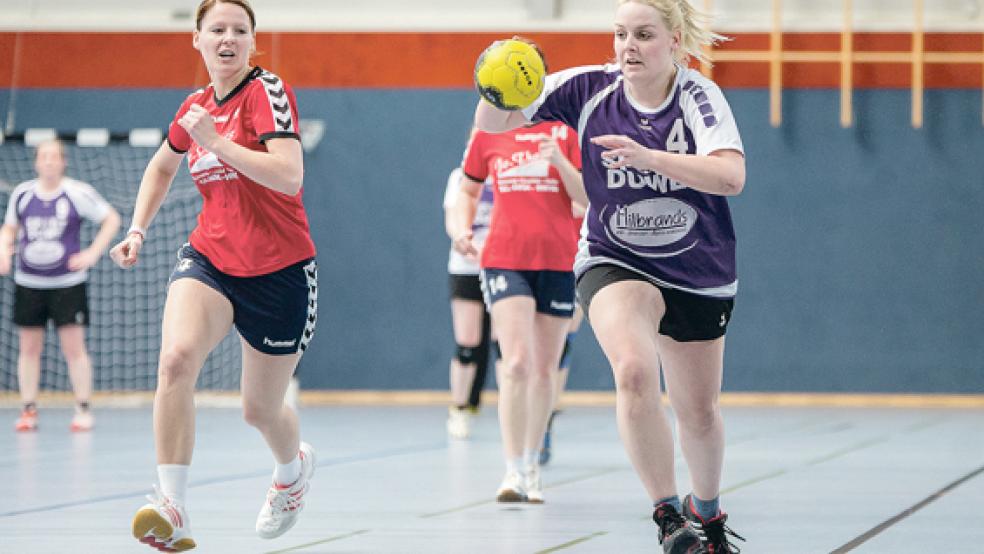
(694, 26)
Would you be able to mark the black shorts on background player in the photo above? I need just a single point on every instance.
(64, 306)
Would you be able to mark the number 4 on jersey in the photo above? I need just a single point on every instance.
(677, 141)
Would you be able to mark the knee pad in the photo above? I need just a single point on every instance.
(466, 354)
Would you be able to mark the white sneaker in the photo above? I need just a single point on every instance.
(284, 503)
(534, 488)
(459, 423)
(82, 421)
(163, 524)
(512, 488)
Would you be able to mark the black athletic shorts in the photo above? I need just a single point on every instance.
(465, 287)
(275, 313)
(689, 317)
(65, 306)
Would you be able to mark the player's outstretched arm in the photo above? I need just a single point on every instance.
(157, 179)
(493, 120)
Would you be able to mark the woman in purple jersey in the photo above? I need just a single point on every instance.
(656, 264)
(42, 226)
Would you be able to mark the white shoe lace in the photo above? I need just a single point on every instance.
(167, 506)
(281, 500)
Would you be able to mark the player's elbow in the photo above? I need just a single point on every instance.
(113, 219)
(734, 185)
(293, 185)
(733, 179)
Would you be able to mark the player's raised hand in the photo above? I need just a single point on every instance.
(200, 126)
(124, 254)
(621, 151)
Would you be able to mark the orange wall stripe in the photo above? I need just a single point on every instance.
(430, 60)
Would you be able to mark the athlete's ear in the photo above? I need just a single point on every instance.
(194, 39)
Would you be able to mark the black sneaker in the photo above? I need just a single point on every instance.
(713, 532)
(675, 533)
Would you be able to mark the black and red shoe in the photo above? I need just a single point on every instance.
(713, 532)
(676, 534)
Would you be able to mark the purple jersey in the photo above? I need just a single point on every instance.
(641, 220)
(50, 226)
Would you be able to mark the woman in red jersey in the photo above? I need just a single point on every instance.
(249, 262)
(527, 277)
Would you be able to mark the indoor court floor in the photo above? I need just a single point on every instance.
(388, 480)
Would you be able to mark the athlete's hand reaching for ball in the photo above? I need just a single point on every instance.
(200, 126)
(125, 253)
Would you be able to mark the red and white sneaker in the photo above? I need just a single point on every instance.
(28, 421)
(83, 421)
(163, 524)
(284, 503)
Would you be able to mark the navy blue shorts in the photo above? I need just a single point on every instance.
(275, 313)
(553, 291)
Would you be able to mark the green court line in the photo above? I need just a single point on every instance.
(323, 541)
(878, 529)
(571, 543)
(832, 455)
(753, 480)
(556, 484)
(846, 450)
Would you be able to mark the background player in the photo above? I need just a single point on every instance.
(45, 216)
(656, 267)
(469, 318)
(249, 263)
(526, 278)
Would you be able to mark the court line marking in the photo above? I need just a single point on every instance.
(568, 481)
(341, 460)
(878, 529)
(860, 445)
(569, 544)
(323, 541)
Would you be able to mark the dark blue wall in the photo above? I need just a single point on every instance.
(861, 251)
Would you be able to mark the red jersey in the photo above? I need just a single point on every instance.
(532, 224)
(244, 228)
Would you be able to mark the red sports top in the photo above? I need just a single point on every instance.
(244, 228)
(532, 224)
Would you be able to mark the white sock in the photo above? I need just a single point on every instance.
(513, 464)
(531, 458)
(174, 480)
(289, 473)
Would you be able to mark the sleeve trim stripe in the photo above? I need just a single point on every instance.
(175, 148)
(278, 134)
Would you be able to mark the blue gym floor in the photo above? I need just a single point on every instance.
(796, 480)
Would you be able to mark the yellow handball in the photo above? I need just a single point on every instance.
(509, 74)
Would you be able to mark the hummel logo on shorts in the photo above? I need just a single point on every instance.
(279, 343)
